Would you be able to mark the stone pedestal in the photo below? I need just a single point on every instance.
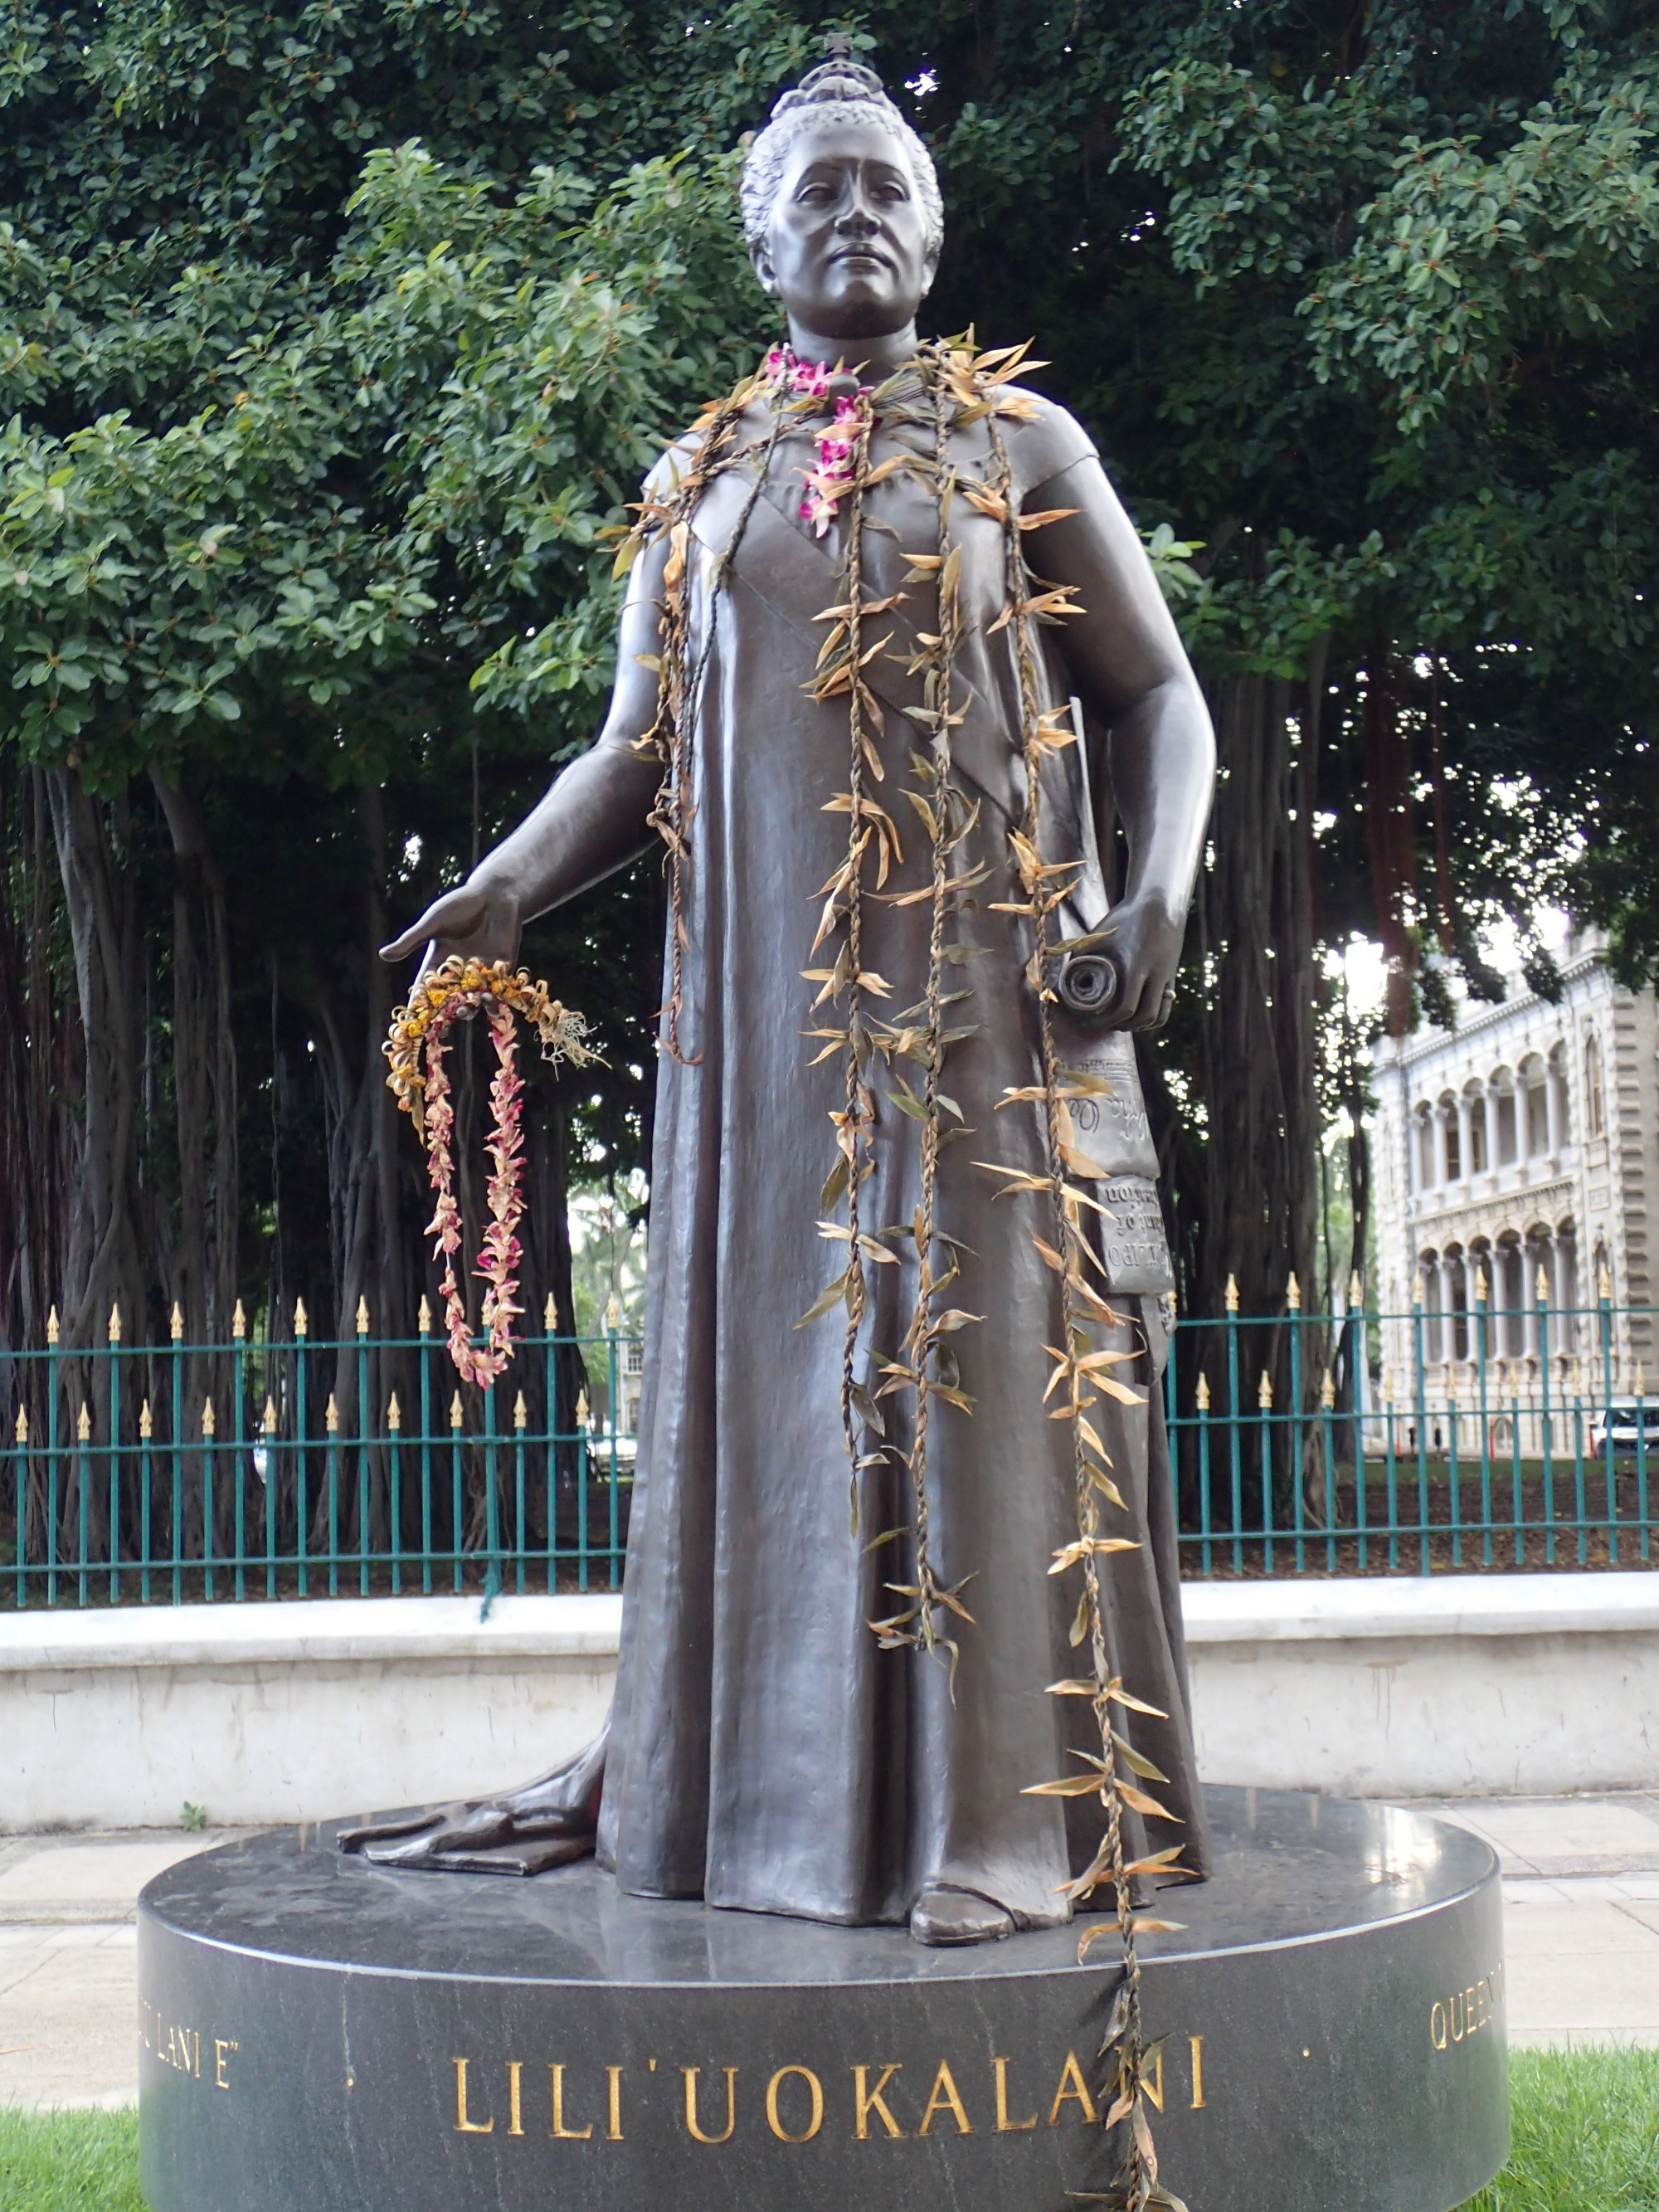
(319, 2035)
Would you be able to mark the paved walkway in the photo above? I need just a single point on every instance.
(1581, 1887)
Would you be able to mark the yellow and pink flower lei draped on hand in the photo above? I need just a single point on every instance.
(831, 481)
(452, 992)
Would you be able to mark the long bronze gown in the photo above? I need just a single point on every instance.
(764, 1752)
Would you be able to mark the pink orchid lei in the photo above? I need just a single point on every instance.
(453, 992)
(832, 479)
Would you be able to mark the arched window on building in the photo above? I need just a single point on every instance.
(1447, 1111)
(1534, 1115)
(1508, 1147)
(1596, 1099)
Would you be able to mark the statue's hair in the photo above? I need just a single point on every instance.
(840, 90)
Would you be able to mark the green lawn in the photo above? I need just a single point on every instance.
(69, 2162)
(1586, 2140)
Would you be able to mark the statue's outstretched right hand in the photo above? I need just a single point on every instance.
(477, 918)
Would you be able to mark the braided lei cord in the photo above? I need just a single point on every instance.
(450, 993)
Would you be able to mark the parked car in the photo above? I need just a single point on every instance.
(1628, 1418)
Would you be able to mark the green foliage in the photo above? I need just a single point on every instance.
(69, 2162)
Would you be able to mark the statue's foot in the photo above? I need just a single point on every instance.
(547, 1823)
(943, 1914)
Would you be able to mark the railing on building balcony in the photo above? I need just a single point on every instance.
(1349, 1443)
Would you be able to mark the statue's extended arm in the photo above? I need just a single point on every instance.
(1125, 659)
(592, 820)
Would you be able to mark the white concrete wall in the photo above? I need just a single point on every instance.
(292, 1712)
(1461, 1686)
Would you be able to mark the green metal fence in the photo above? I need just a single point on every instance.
(310, 1467)
(1356, 1443)
(1348, 1442)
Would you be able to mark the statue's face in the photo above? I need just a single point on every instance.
(846, 250)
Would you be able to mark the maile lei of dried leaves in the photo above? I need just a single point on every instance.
(451, 993)
(899, 1058)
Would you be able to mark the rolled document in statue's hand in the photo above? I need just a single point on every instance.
(1088, 984)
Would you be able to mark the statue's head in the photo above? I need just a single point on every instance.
(841, 206)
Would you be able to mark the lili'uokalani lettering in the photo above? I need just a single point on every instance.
(796, 2104)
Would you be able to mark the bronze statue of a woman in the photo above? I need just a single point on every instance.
(887, 629)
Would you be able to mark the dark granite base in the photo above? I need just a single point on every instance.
(319, 2035)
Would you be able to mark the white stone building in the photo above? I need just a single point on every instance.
(1521, 1153)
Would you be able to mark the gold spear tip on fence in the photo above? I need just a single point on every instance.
(581, 1409)
(551, 1315)
(1482, 1287)
(1293, 1294)
(423, 1319)
(52, 1325)
(1543, 1285)
(84, 1427)
(115, 1324)
(1264, 1397)
(1328, 1392)
(178, 1323)
(394, 1419)
(362, 1316)
(612, 1315)
(455, 1411)
(1203, 1393)
(1641, 1383)
(1355, 1289)
(1232, 1294)
(331, 1418)
(1604, 1285)
(520, 1412)
(239, 1322)
(23, 1425)
(268, 1419)
(301, 1324)
(207, 1417)
(146, 1426)
(1417, 1291)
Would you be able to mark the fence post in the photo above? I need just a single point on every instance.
(424, 1323)
(301, 1442)
(1482, 1291)
(394, 1421)
(1235, 1424)
(1543, 1289)
(239, 1442)
(362, 1446)
(1604, 1311)
(114, 1357)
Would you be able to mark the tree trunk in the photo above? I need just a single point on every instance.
(1240, 1157)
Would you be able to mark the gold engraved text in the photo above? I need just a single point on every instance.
(945, 2098)
(691, 2126)
(463, 2125)
(814, 2090)
(1071, 2088)
(613, 2075)
(1466, 2011)
(579, 2135)
(1005, 2125)
(866, 2100)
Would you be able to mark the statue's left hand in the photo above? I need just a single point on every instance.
(1145, 938)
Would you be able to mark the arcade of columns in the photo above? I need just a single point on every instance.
(1513, 1173)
